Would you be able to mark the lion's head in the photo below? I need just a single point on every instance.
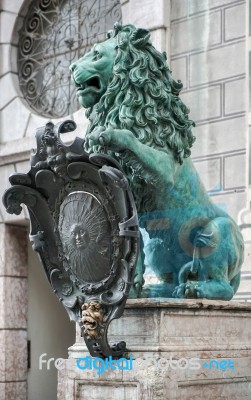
(131, 86)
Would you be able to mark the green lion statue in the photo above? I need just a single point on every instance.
(194, 248)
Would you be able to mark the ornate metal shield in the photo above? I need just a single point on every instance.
(84, 227)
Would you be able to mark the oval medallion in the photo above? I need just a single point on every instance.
(86, 236)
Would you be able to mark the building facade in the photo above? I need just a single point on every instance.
(207, 44)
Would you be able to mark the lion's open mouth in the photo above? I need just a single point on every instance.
(92, 83)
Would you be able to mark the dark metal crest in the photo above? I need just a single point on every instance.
(84, 227)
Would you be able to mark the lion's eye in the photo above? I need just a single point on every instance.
(96, 55)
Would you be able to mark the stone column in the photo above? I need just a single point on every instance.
(13, 312)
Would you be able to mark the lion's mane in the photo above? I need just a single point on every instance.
(143, 97)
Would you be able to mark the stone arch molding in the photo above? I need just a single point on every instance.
(18, 119)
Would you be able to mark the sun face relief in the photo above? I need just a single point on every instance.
(80, 227)
(92, 72)
(80, 237)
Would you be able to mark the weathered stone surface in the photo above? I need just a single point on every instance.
(152, 17)
(210, 171)
(159, 39)
(7, 23)
(233, 14)
(210, 98)
(232, 163)
(102, 390)
(13, 390)
(8, 61)
(160, 330)
(231, 202)
(14, 128)
(197, 6)
(233, 102)
(179, 9)
(12, 6)
(13, 303)
(203, 32)
(13, 251)
(211, 138)
(231, 55)
(13, 360)
(16, 150)
(8, 85)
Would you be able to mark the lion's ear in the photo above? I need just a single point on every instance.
(140, 38)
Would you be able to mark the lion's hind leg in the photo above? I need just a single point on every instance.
(218, 256)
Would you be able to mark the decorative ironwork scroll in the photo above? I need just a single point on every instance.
(84, 227)
(54, 34)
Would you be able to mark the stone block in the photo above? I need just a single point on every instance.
(18, 149)
(179, 9)
(8, 84)
(13, 303)
(196, 33)
(14, 128)
(13, 250)
(220, 389)
(102, 390)
(245, 285)
(143, 328)
(234, 96)
(10, 24)
(197, 6)
(235, 171)
(152, 17)
(8, 60)
(177, 328)
(13, 360)
(235, 18)
(13, 390)
(205, 103)
(179, 68)
(231, 202)
(210, 173)
(210, 66)
(11, 6)
(158, 39)
(221, 136)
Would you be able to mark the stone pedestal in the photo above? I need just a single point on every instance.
(163, 336)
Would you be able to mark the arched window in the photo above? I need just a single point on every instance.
(53, 35)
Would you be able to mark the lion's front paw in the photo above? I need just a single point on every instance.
(188, 290)
(115, 140)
